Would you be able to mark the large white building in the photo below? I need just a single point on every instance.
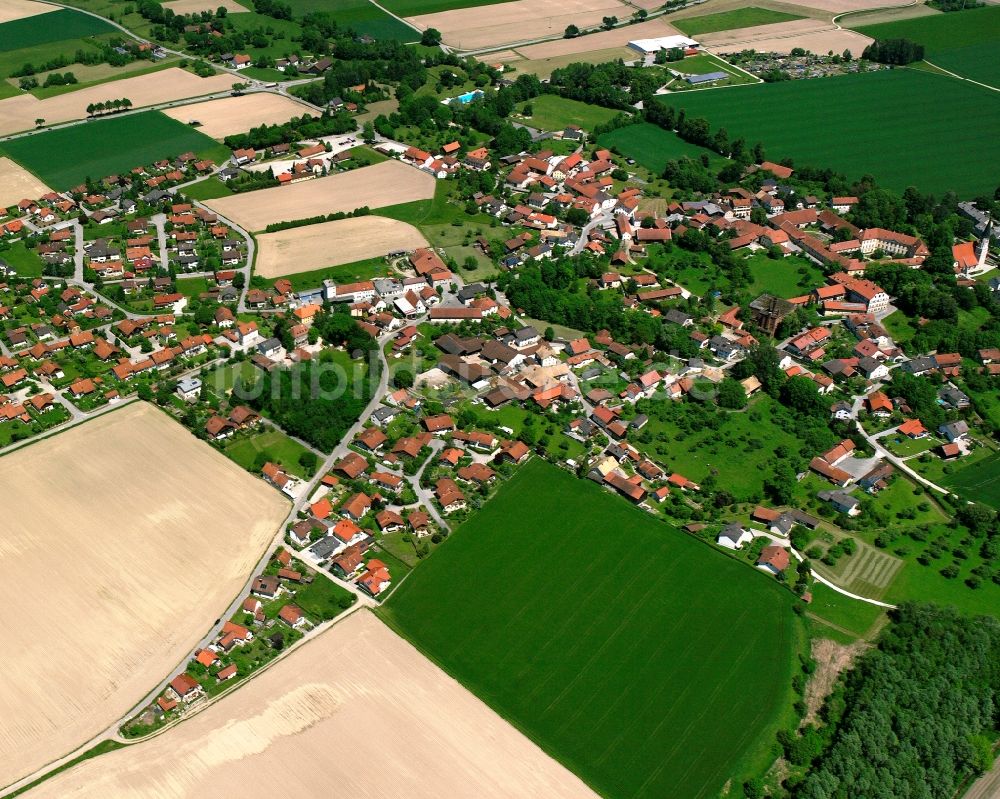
(651, 46)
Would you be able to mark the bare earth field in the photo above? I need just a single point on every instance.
(357, 706)
(195, 6)
(19, 9)
(387, 183)
(517, 21)
(840, 6)
(782, 37)
(345, 241)
(123, 539)
(228, 115)
(17, 183)
(20, 113)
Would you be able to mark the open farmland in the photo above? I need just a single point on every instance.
(652, 146)
(980, 484)
(825, 110)
(748, 17)
(408, 726)
(20, 9)
(228, 115)
(19, 113)
(126, 535)
(344, 241)
(808, 34)
(60, 25)
(65, 157)
(17, 183)
(195, 6)
(410, 8)
(661, 670)
(387, 183)
(517, 21)
(361, 15)
(967, 44)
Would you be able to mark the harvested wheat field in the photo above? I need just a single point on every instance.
(517, 21)
(619, 37)
(356, 707)
(196, 6)
(838, 6)
(123, 539)
(782, 37)
(19, 9)
(228, 115)
(19, 113)
(345, 241)
(17, 183)
(387, 183)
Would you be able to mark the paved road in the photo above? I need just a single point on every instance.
(897, 462)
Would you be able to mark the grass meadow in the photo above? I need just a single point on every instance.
(67, 156)
(551, 112)
(652, 146)
(272, 444)
(859, 124)
(981, 484)
(731, 20)
(966, 43)
(643, 660)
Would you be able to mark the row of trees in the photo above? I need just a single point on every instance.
(109, 106)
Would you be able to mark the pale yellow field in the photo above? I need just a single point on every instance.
(227, 115)
(195, 6)
(386, 183)
(618, 37)
(517, 21)
(17, 183)
(123, 539)
(19, 9)
(19, 113)
(356, 712)
(782, 37)
(333, 243)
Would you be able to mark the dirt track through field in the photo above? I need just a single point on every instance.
(123, 539)
(387, 183)
(356, 711)
(19, 9)
(229, 115)
(19, 113)
(17, 183)
(345, 241)
(517, 21)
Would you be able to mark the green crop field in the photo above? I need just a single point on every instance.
(54, 26)
(648, 663)
(361, 15)
(859, 124)
(413, 8)
(731, 20)
(551, 112)
(981, 484)
(67, 156)
(967, 43)
(652, 146)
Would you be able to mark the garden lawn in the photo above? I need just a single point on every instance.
(652, 146)
(26, 262)
(210, 188)
(551, 112)
(786, 277)
(66, 157)
(966, 42)
(731, 20)
(814, 134)
(345, 273)
(645, 661)
(274, 445)
(192, 286)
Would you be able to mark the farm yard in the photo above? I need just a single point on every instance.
(966, 43)
(810, 136)
(516, 21)
(749, 17)
(16, 183)
(652, 146)
(227, 115)
(86, 528)
(388, 183)
(345, 241)
(19, 113)
(416, 728)
(67, 156)
(663, 670)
